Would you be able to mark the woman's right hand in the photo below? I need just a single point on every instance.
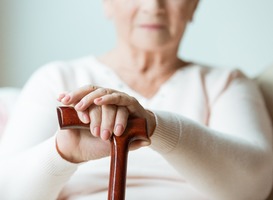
(80, 145)
(77, 146)
(107, 111)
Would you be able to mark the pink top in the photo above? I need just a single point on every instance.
(212, 140)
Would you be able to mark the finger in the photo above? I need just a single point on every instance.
(75, 96)
(84, 116)
(61, 96)
(108, 121)
(120, 99)
(117, 98)
(121, 120)
(95, 116)
(88, 99)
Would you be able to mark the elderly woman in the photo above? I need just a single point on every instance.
(209, 129)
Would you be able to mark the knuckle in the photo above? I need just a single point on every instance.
(118, 97)
(96, 109)
(95, 112)
(91, 87)
(124, 110)
(109, 124)
(134, 100)
(103, 91)
(111, 108)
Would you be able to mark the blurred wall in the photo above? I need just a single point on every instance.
(233, 33)
(43, 31)
(3, 44)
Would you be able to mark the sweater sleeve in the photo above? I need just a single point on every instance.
(231, 157)
(38, 173)
(30, 166)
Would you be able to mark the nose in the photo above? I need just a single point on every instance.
(153, 6)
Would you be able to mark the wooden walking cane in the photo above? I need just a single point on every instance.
(135, 130)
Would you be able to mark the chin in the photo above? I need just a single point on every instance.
(150, 45)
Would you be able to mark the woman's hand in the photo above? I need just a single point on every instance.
(107, 112)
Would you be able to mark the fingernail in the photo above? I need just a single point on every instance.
(66, 98)
(61, 96)
(105, 134)
(119, 130)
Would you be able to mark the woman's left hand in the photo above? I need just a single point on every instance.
(120, 104)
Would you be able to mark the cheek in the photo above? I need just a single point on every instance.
(178, 18)
(124, 15)
(125, 9)
(124, 19)
(181, 10)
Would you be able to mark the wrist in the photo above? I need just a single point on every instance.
(151, 122)
(62, 148)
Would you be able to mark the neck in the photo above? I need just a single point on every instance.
(141, 61)
(141, 68)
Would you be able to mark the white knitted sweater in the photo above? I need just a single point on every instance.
(212, 139)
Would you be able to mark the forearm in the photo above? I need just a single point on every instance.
(38, 173)
(219, 165)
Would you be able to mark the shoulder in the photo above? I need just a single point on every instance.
(66, 74)
(216, 73)
(222, 81)
(212, 74)
(66, 67)
(221, 76)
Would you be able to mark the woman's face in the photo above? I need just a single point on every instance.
(150, 24)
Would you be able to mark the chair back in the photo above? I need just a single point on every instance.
(265, 82)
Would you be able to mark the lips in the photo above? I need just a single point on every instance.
(152, 26)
